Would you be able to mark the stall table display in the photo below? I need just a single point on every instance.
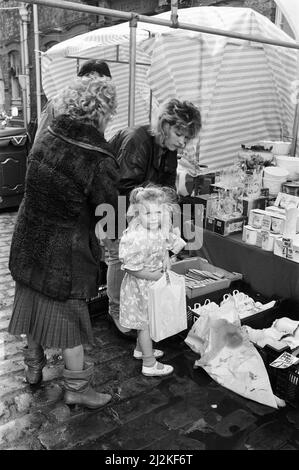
(265, 272)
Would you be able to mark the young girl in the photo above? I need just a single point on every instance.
(143, 252)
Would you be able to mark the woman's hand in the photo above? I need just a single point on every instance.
(102, 236)
(146, 274)
(156, 275)
(166, 262)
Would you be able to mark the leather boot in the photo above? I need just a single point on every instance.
(78, 389)
(34, 360)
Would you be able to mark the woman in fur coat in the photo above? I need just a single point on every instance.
(55, 255)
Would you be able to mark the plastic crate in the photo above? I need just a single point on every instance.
(191, 317)
(287, 384)
(284, 382)
(253, 321)
(98, 305)
(181, 267)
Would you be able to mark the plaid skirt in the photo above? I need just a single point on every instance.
(51, 323)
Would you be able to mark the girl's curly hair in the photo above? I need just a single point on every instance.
(184, 115)
(152, 192)
(89, 99)
(162, 195)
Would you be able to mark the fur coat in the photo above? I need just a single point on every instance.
(54, 249)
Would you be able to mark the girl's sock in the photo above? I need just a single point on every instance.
(148, 361)
(152, 363)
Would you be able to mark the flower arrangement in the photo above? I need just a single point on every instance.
(254, 161)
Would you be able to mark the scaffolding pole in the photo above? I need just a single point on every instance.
(159, 21)
(132, 76)
(37, 63)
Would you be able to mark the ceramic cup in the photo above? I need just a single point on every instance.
(257, 220)
(267, 241)
(250, 236)
(277, 224)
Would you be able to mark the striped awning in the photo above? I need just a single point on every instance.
(244, 89)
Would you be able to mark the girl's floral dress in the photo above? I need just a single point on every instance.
(141, 249)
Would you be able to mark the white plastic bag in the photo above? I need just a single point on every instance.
(167, 306)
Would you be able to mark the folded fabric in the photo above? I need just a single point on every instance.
(283, 332)
(267, 336)
(286, 325)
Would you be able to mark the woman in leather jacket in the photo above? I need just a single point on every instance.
(147, 154)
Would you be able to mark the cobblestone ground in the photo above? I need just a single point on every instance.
(185, 411)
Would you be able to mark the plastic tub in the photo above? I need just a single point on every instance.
(291, 164)
(274, 186)
(276, 173)
(279, 147)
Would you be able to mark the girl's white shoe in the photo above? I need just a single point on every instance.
(154, 371)
(156, 353)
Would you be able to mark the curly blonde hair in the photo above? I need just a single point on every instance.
(161, 195)
(183, 115)
(89, 99)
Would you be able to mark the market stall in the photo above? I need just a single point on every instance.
(226, 77)
(243, 88)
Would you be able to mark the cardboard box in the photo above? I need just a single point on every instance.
(287, 248)
(249, 204)
(255, 218)
(283, 199)
(226, 227)
(275, 210)
(273, 219)
(181, 267)
(210, 223)
(209, 202)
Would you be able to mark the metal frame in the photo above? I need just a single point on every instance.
(133, 18)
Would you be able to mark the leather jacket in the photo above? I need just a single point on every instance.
(142, 160)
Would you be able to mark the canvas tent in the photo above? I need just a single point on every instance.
(290, 9)
(243, 89)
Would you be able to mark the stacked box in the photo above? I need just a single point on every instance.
(287, 248)
(226, 227)
(249, 204)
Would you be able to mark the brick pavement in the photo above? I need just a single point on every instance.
(185, 411)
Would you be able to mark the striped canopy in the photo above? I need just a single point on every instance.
(244, 89)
